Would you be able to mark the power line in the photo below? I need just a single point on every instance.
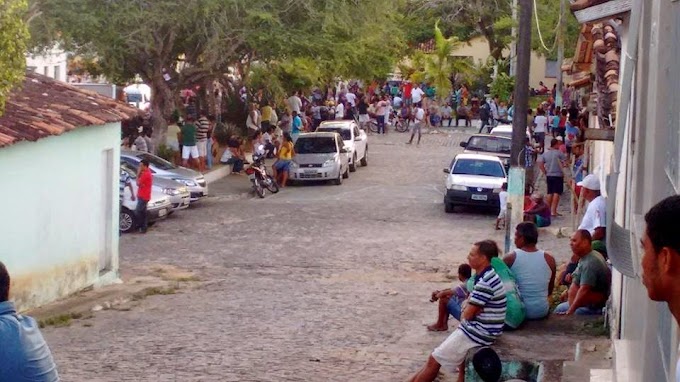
(540, 35)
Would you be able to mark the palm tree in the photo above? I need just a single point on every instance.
(441, 67)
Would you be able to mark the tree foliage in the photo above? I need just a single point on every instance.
(548, 19)
(13, 38)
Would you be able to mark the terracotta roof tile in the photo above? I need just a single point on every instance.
(42, 107)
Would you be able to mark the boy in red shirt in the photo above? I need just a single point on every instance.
(144, 183)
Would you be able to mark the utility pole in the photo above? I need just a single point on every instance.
(560, 54)
(519, 121)
(513, 45)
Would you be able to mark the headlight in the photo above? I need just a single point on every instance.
(329, 163)
(458, 187)
(186, 182)
(171, 191)
(294, 164)
(497, 190)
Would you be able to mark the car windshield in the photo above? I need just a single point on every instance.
(491, 144)
(134, 97)
(325, 145)
(128, 169)
(344, 132)
(157, 162)
(478, 167)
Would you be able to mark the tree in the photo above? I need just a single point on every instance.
(548, 19)
(13, 38)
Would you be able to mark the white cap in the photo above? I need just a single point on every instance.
(559, 138)
(590, 182)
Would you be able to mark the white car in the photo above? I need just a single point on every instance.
(505, 131)
(355, 140)
(179, 194)
(474, 180)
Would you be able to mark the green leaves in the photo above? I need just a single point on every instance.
(13, 38)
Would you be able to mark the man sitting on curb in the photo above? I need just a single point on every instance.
(591, 280)
(451, 300)
(24, 355)
(482, 320)
(534, 271)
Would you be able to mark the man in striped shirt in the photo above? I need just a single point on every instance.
(202, 132)
(482, 319)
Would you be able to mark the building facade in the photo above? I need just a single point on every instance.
(52, 63)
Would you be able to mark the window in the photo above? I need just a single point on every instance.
(316, 146)
(57, 72)
(478, 167)
(46, 70)
(344, 132)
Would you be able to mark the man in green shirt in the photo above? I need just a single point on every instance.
(590, 282)
(189, 148)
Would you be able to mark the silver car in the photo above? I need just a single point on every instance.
(319, 156)
(161, 168)
(177, 192)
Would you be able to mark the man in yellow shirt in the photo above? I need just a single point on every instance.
(266, 117)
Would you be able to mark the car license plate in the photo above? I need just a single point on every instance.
(479, 197)
(162, 212)
(310, 171)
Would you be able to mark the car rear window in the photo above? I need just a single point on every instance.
(325, 145)
(478, 167)
(157, 162)
(490, 144)
(345, 133)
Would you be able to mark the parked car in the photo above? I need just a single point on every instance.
(506, 131)
(161, 168)
(355, 140)
(490, 145)
(179, 194)
(474, 180)
(159, 207)
(319, 156)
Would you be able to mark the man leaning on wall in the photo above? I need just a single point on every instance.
(24, 354)
(661, 259)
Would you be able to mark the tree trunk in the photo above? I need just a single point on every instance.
(162, 107)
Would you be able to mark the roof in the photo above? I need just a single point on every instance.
(318, 135)
(479, 157)
(41, 107)
(344, 124)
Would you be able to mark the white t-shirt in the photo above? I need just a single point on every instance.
(351, 98)
(340, 111)
(295, 103)
(541, 122)
(503, 197)
(420, 114)
(417, 95)
(595, 216)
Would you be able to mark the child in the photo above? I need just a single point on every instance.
(451, 300)
(503, 197)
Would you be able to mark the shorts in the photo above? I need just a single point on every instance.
(503, 214)
(541, 221)
(282, 165)
(189, 151)
(202, 148)
(555, 185)
(452, 352)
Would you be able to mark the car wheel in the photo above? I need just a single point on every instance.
(364, 160)
(353, 165)
(449, 207)
(345, 175)
(338, 181)
(128, 220)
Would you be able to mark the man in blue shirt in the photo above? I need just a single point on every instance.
(24, 355)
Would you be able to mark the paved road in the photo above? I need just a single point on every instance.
(316, 283)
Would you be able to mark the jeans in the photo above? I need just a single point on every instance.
(237, 164)
(140, 211)
(485, 123)
(208, 154)
(444, 119)
(381, 124)
(454, 308)
(583, 311)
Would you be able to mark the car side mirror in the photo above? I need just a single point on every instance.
(463, 144)
(358, 139)
(343, 151)
(447, 171)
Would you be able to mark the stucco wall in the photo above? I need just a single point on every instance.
(54, 224)
(478, 49)
(45, 63)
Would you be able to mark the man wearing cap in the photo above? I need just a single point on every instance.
(661, 258)
(595, 218)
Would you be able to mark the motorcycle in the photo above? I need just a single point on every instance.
(257, 173)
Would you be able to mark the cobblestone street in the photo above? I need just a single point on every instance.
(316, 283)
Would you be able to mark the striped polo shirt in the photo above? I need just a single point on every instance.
(489, 294)
(124, 180)
(202, 128)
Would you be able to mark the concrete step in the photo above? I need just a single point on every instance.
(592, 362)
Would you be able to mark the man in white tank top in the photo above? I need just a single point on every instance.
(534, 271)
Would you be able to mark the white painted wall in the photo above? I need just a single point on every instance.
(54, 222)
(52, 63)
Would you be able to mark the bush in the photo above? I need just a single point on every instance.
(166, 152)
(502, 87)
(223, 130)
